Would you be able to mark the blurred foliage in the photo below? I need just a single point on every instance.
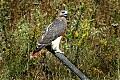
(91, 41)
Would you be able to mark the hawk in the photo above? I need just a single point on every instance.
(52, 34)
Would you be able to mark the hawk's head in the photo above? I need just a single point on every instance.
(63, 13)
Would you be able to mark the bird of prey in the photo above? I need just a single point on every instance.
(52, 34)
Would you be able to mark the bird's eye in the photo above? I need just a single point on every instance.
(63, 12)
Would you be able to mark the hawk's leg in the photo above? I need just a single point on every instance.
(55, 45)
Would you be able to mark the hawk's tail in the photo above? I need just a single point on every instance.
(36, 51)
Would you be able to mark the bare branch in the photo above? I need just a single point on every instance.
(66, 62)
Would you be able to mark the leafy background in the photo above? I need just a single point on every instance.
(91, 41)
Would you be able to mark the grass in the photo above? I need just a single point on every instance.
(91, 42)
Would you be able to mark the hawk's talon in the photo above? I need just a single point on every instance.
(59, 52)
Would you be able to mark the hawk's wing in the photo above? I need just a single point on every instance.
(53, 31)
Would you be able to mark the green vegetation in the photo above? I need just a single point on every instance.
(91, 41)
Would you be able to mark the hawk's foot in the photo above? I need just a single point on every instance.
(59, 52)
